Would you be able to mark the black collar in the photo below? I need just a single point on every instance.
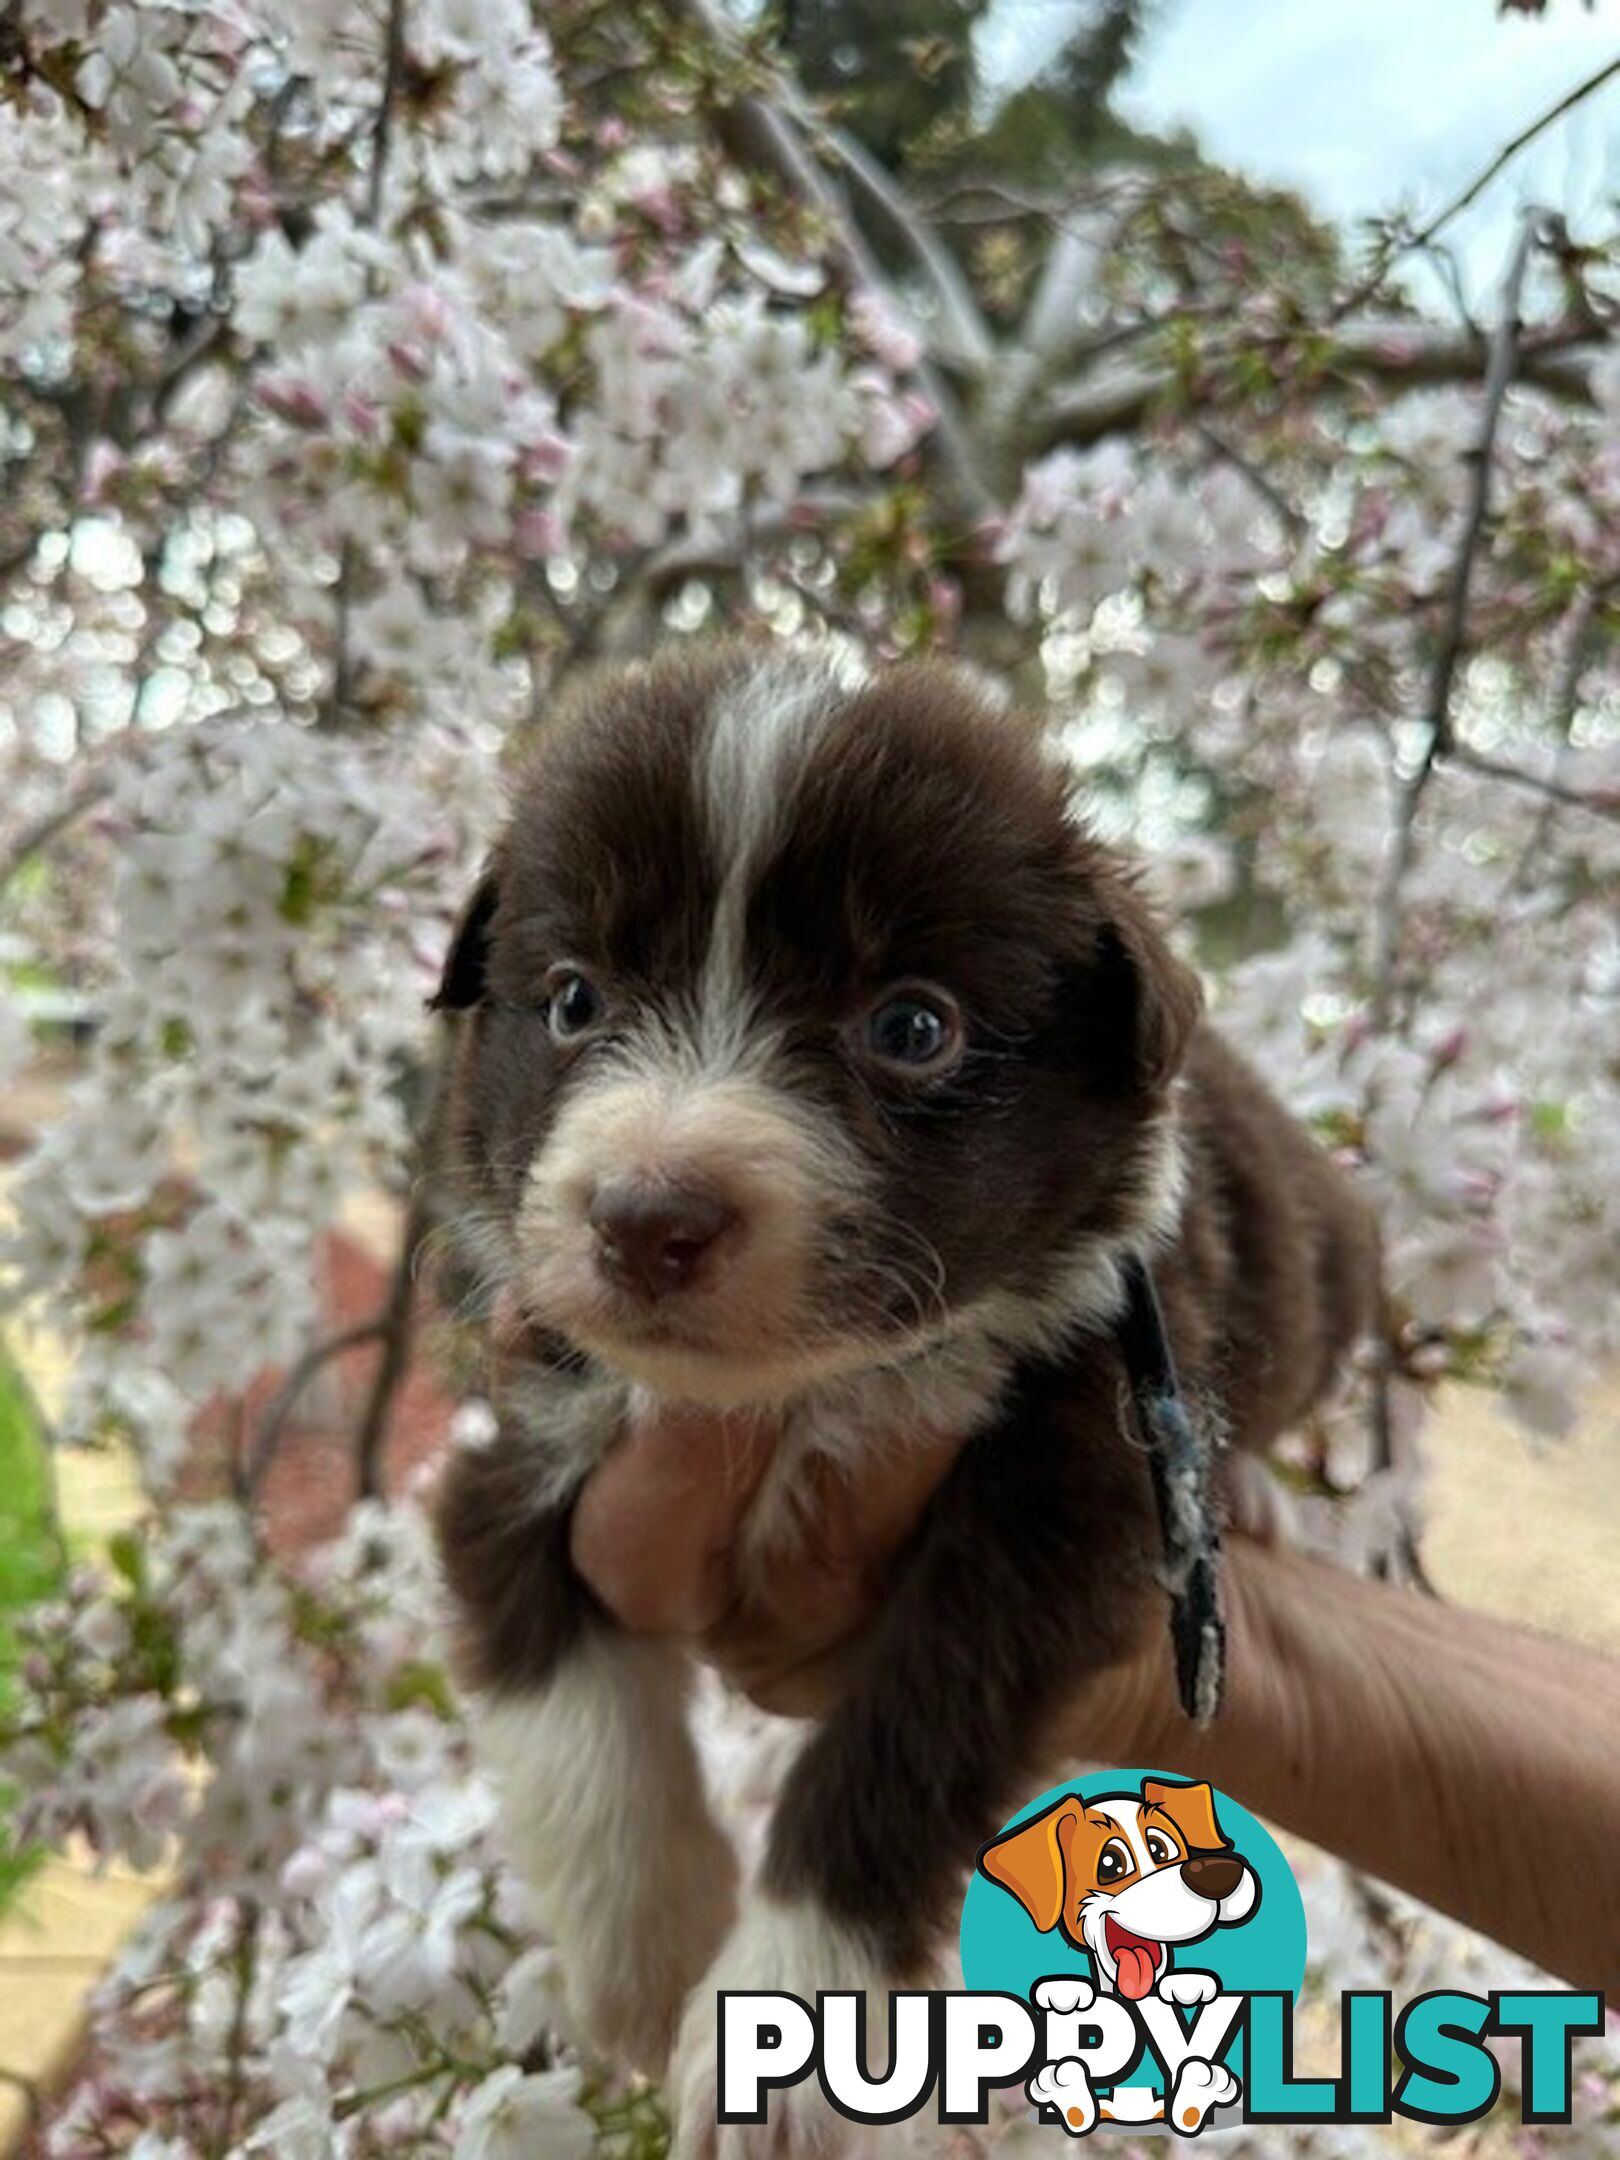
(1179, 1457)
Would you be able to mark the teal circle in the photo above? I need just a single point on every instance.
(1004, 1951)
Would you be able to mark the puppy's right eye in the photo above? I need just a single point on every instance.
(1114, 1863)
(574, 1005)
(914, 1028)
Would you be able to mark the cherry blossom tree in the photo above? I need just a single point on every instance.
(368, 368)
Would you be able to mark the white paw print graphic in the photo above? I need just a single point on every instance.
(1200, 2087)
(1065, 2086)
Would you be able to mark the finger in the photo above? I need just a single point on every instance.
(791, 1636)
(655, 1526)
(774, 1677)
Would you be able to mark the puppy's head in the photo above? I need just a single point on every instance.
(802, 1023)
(1126, 1877)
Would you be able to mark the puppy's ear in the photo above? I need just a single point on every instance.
(1192, 1809)
(1029, 1861)
(1154, 998)
(466, 964)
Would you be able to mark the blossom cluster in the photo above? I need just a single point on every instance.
(274, 893)
(1280, 663)
(365, 1966)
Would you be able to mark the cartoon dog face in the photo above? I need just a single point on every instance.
(1126, 1877)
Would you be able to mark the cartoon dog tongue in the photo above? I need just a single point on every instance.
(1136, 1965)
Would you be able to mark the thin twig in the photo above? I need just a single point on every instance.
(1564, 703)
(395, 1333)
(1551, 789)
(1499, 375)
(382, 136)
(1292, 519)
(36, 838)
(1449, 272)
(278, 1414)
(1476, 187)
(245, 1964)
(720, 554)
(337, 697)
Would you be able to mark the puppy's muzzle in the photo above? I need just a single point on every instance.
(1212, 1875)
(652, 1239)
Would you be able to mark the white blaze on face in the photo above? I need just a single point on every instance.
(688, 1099)
(760, 735)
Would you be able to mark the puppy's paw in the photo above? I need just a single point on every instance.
(1200, 2088)
(632, 1954)
(1063, 1997)
(1065, 2086)
(605, 1818)
(1188, 1988)
(783, 1949)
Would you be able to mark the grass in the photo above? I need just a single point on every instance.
(31, 1559)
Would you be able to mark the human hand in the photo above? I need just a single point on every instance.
(659, 1535)
(1412, 1738)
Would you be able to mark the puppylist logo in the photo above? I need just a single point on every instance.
(1133, 1946)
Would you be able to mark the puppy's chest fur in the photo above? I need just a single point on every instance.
(953, 1390)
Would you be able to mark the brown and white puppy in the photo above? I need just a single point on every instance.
(815, 1064)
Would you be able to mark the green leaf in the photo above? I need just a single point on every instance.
(127, 1556)
(421, 1685)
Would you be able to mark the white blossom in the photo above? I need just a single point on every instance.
(512, 2117)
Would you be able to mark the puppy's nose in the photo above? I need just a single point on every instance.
(1212, 1875)
(653, 1238)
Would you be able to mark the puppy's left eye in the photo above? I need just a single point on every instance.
(917, 1028)
(1160, 1850)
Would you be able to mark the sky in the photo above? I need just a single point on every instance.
(1364, 105)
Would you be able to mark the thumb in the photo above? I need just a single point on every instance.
(654, 1527)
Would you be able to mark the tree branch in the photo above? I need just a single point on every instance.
(1476, 187)
(394, 1329)
(766, 134)
(1504, 362)
(395, 1322)
(1504, 359)
(964, 334)
(1398, 354)
(1048, 327)
(34, 839)
(1557, 793)
(1292, 519)
(382, 138)
(1563, 705)
(278, 1415)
